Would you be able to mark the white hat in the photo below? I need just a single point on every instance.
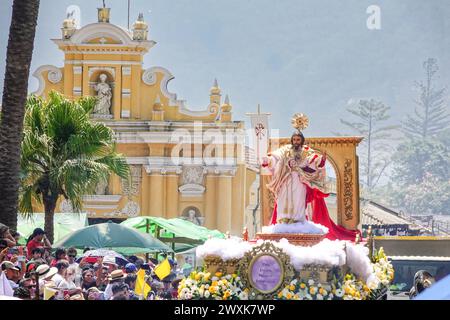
(44, 271)
(109, 260)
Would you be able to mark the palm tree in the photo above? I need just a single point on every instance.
(18, 60)
(64, 153)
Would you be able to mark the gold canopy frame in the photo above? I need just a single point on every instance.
(341, 154)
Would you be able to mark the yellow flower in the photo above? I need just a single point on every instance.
(357, 294)
(214, 283)
(234, 275)
(198, 276)
(218, 274)
(296, 297)
(212, 289)
(280, 294)
(312, 290)
(302, 285)
(289, 296)
(321, 291)
(292, 287)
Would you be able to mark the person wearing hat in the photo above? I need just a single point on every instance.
(37, 239)
(110, 262)
(130, 268)
(11, 272)
(117, 276)
(45, 274)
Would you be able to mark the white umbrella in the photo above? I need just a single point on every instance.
(120, 259)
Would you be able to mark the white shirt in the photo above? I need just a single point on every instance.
(108, 292)
(68, 285)
(57, 278)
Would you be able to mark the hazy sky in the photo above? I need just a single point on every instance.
(289, 56)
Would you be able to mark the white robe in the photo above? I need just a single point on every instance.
(291, 196)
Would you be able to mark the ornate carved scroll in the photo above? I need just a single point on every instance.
(348, 190)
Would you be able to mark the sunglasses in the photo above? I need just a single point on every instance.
(71, 256)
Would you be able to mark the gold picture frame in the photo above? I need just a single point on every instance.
(245, 267)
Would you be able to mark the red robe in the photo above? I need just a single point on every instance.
(321, 216)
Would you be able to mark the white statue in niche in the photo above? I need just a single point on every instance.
(101, 188)
(104, 96)
(192, 217)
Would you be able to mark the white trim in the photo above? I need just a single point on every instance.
(77, 91)
(171, 137)
(101, 206)
(122, 52)
(146, 45)
(38, 74)
(108, 69)
(77, 69)
(125, 113)
(126, 70)
(102, 198)
(97, 62)
(96, 30)
(191, 190)
(126, 91)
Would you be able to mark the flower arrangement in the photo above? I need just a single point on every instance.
(370, 283)
(204, 285)
(300, 289)
(383, 269)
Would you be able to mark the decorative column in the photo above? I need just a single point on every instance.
(172, 196)
(126, 92)
(238, 200)
(156, 199)
(77, 81)
(224, 205)
(117, 95)
(210, 202)
(136, 76)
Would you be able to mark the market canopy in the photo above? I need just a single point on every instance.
(64, 224)
(115, 237)
(183, 233)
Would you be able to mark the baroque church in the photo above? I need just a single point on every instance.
(184, 163)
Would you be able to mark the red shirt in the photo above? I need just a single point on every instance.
(30, 246)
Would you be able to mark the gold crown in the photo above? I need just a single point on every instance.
(300, 121)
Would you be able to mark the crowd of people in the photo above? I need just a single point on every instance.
(28, 272)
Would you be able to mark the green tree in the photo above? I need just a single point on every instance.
(371, 116)
(18, 60)
(430, 115)
(64, 153)
(421, 176)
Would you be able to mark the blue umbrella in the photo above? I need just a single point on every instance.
(438, 291)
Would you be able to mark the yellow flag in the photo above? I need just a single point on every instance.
(162, 270)
(142, 288)
(48, 293)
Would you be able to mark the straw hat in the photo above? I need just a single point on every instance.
(44, 271)
(117, 275)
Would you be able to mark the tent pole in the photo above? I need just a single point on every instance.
(147, 229)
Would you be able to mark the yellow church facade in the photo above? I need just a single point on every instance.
(183, 162)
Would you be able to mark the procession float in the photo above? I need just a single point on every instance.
(302, 254)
